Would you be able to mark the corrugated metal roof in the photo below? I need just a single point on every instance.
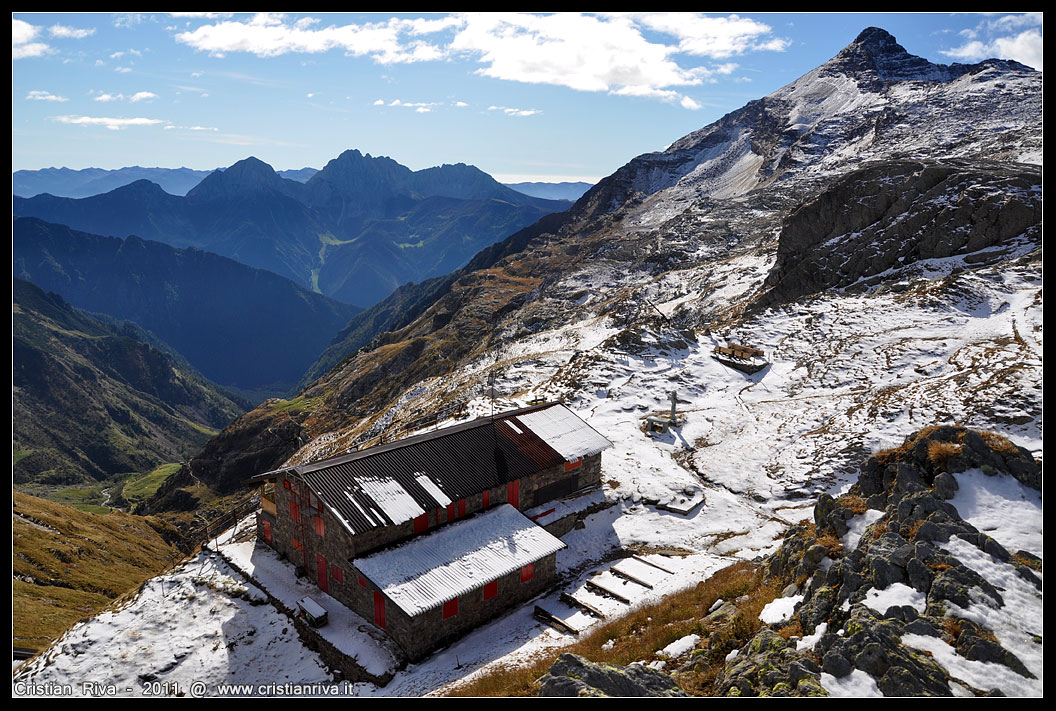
(563, 430)
(395, 482)
(429, 570)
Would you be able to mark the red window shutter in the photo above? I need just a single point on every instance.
(286, 484)
(320, 526)
(572, 465)
(296, 544)
(336, 573)
(266, 528)
(491, 589)
(461, 508)
(450, 512)
(527, 572)
(379, 609)
(485, 499)
(513, 494)
(295, 511)
(362, 581)
(450, 608)
(421, 524)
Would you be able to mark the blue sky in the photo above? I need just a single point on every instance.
(524, 97)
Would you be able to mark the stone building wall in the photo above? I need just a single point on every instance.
(421, 634)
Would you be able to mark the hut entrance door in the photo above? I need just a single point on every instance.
(321, 565)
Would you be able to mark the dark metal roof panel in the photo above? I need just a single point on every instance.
(395, 482)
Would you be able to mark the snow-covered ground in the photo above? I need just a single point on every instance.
(849, 375)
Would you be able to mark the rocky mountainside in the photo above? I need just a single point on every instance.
(221, 315)
(92, 402)
(355, 230)
(903, 586)
(895, 587)
(683, 246)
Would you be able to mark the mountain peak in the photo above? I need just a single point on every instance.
(248, 175)
(878, 37)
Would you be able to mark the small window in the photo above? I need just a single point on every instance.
(491, 589)
(295, 511)
(362, 581)
(296, 544)
(286, 484)
(336, 573)
(320, 526)
(527, 572)
(450, 608)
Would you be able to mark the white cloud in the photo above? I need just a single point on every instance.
(123, 70)
(22, 44)
(114, 124)
(109, 97)
(585, 52)
(37, 95)
(142, 96)
(608, 53)
(128, 19)
(170, 127)
(991, 40)
(515, 112)
(461, 104)
(717, 37)
(70, 32)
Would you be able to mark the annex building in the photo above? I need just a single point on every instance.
(424, 536)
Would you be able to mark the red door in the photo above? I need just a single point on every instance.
(379, 609)
(513, 494)
(324, 568)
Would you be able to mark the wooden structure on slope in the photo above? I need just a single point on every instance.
(744, 358)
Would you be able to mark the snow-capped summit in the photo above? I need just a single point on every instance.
(873, 100)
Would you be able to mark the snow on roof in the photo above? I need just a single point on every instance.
(563, 430)
(433, 490)
(432, 569)
(393, 499)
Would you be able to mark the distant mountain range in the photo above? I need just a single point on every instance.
(552, 191)
(241, 327)
(355, 231)
(67, 182)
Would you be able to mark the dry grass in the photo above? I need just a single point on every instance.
(641, 633)
(951, 628)
(854, 503)
(73, 564)
(1000, 444)
(1029, 562)
(880, 528)
(939, 453)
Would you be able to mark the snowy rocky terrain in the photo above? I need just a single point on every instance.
(678, 252)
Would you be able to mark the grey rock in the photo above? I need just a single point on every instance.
(573, 675)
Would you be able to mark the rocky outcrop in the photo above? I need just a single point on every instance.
(892, 214)
(572, 675)
(906, 550)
